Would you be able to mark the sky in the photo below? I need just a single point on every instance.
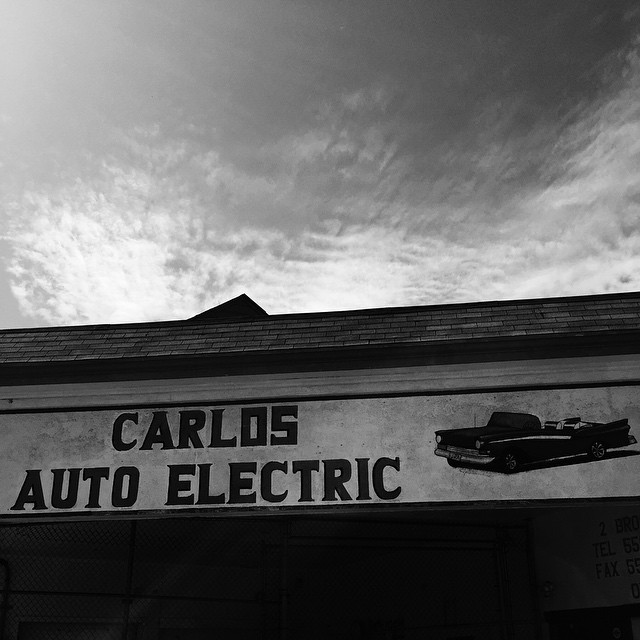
(159, 157)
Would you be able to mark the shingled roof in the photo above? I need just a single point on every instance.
(587, 320)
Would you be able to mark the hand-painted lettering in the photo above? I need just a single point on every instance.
(333, 480)
(253, 430)
(159, 432)
(191, 422)
(95, 475)
(204, 481)
(288, 427)
(378, 478)
(240, 486)
(118, 426)
(336, 474)
(71, 497)
(217, 439)
(177, 484)
(363, 479)
(31, 492)
(212, 429)
(628, 524)
(266, 480)
(304, 468)
(129, 477)
(62, 488)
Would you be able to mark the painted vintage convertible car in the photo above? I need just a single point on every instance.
(510, 440)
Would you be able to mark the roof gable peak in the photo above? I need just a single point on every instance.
(240, 307)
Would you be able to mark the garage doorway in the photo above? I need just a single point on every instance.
(263, 578)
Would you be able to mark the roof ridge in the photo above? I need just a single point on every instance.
(268, 319)
(475, 304)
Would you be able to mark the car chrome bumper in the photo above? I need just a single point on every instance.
(459, 454)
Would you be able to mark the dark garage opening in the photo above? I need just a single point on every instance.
(397, 576)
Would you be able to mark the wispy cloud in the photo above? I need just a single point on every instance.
(343, 214)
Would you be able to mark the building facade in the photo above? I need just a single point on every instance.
(452, 472)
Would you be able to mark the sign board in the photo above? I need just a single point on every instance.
(519, 445)
(588, 558)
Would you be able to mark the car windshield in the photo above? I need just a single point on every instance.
(571, 423)
(513, 420)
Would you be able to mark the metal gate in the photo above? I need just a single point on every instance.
(264, 577)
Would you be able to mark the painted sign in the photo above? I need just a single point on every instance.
(588, 558)
(521, 445)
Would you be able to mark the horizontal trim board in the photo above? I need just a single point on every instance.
(215, 402)
(427, 380)
(321, 511)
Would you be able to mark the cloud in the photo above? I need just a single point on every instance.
(342, 214)
(583, 228)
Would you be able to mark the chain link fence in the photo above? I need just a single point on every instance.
(263, 578)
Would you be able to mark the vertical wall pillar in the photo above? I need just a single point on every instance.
(284, 582)
(126, 608)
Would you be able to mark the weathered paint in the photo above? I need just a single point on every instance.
(384, 446)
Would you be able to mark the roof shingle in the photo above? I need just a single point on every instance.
(314, 331)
